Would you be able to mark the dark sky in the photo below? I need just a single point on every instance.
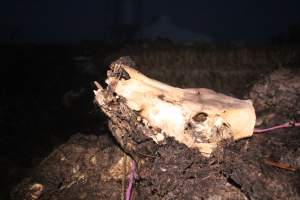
(223, 20)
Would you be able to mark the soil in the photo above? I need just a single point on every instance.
(76, 170)
(81, 169)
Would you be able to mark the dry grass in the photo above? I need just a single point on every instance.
(230, 70)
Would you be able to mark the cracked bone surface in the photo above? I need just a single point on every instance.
(198, 117)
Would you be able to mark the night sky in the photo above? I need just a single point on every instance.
(230, 20)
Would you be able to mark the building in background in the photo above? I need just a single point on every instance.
(162, 27)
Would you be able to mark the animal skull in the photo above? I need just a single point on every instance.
(198, 117)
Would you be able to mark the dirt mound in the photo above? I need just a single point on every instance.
(276, 98)
(76, 170)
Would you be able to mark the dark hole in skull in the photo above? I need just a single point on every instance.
(122, 75)
(200, 117)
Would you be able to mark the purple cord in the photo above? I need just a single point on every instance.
(132, 177)
(286, 125)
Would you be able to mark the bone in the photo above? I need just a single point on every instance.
(197, 117)
(98, 85)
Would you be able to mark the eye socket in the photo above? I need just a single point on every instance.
(200, 117)
(161, 96)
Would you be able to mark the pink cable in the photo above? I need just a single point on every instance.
(132, 177)
(285, 125)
